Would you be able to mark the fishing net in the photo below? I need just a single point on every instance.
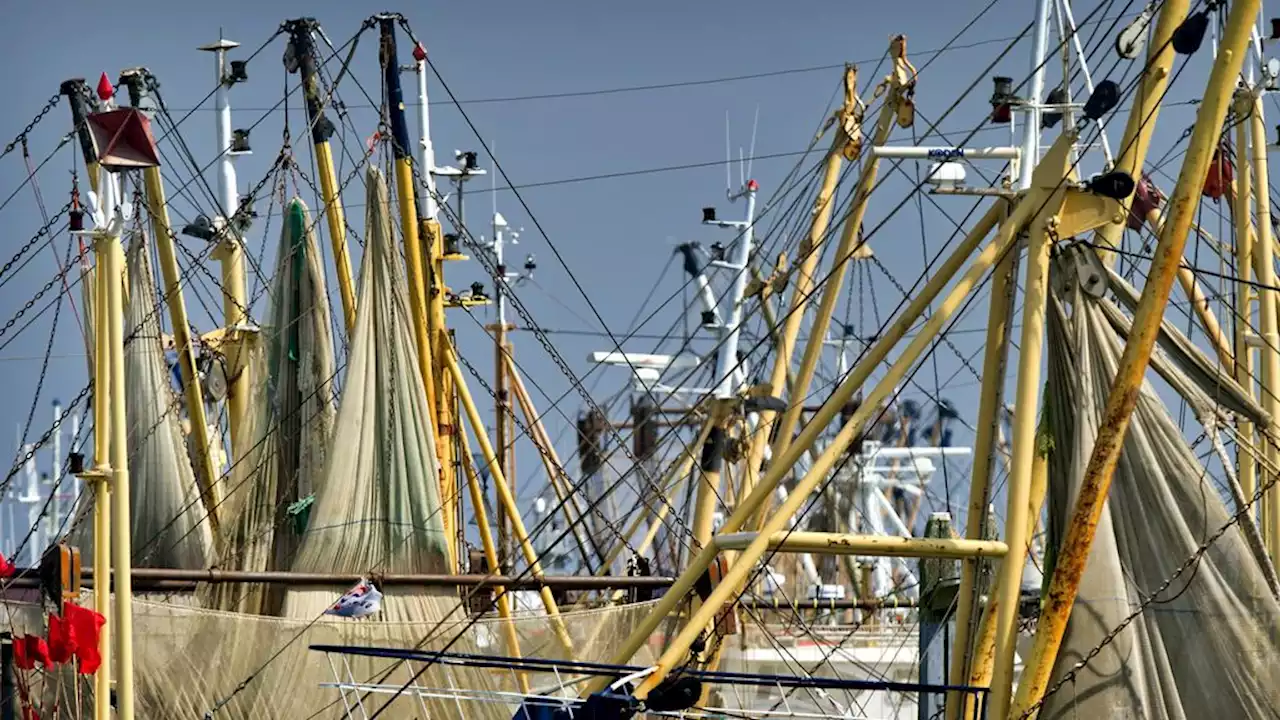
(272, 483)
(188, 660)
(1206, 646)
(168, 520)
(378, 508)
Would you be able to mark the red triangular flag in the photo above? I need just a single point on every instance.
(7, 569)
(86, 630)
(62, 641)
(105, 89)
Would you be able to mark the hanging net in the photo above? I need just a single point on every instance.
(272, 483)
(378, 508)
(169, 527)
(1205, 646)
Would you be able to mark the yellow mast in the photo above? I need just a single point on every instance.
(1245, 295)
(1267, 297)
(1076, 545)
(158, 212)
(845, 142)
(304, 54)
(1143, 113)
(100, 477)
(508, 503)
(121, 525)
(896, 90)
(409, 226)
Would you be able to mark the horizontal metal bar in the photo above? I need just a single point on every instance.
(152, 577)
(873, 545)
(945, 153)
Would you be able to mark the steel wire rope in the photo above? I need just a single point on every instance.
(916, 368)
(900, 205)
(692, 83)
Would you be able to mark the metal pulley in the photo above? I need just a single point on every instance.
(1133, 39)
(213, 376)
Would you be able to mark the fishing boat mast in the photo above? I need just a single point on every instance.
(238, 334)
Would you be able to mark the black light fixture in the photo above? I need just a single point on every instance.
(240, 140)
(1050, 118)
(76, 217)
(708, 214)
(1105, 96)
(1190, 34)
(451, 244)
(529, 264)
(477, 290)
(201, 228)
(1116, 185)
(239, 71)
(709, 318)
(1002, 100)
(75, 463)
(468, 158)
(1275, 28)
(717, 251)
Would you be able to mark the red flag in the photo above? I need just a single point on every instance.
(62, 641)
(28, 650)
(86, 632)
(7, 569)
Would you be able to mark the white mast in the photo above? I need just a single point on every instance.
(430, 208)
(1031, 133)
(227, 196)
(55, 486)
(727, 371)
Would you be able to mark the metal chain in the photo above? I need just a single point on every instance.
(30, 243)
(943, 337)
(297, 170)
(34, 299)
(4, 485)
(48, 106)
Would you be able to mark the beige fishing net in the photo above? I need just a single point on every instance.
(293, 425)
(188, 660)
(378, 508)
(168, 521)
(1207, 646)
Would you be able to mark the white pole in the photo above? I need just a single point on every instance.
(1031, 133)
(226, 168)
(429, 206)
(55, 487)
(728, 357)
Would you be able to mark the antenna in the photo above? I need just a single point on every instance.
(728, 156)
(755, 124)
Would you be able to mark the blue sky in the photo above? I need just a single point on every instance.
(616, 234)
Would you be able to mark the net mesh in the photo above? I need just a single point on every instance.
(188, 660)
(1206, 646)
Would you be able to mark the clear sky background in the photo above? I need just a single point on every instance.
(616, 234)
